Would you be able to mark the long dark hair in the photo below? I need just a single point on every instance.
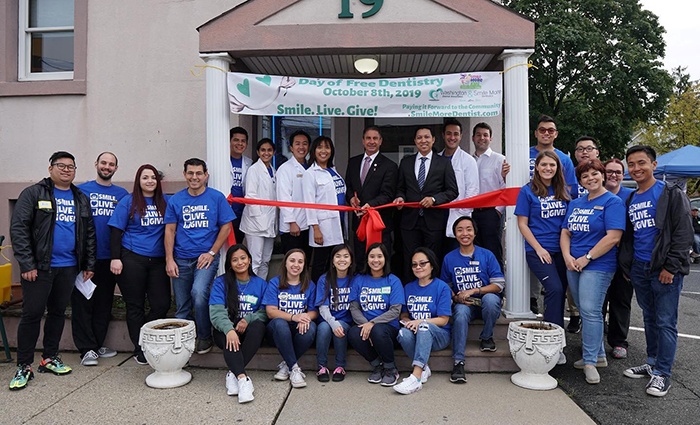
(303, 277)
(231, 282)
(332, 275)
(315, 144)
(558, 182)
(387, 261)
(138, 201)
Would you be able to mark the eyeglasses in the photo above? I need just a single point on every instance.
(64, 167)
(618, 172)
(420, 264)
(543, 130)
(587, 149)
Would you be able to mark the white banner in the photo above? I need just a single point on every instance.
(470, 94)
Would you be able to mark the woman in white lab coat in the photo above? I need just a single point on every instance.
(322, 184)
(259, 222)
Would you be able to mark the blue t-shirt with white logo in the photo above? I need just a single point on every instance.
(376, 294)
(426, 302)
(237, 188)
(567, 168)
(142, 235)
(198, 220)
(63, 253)
(464, 272)
(103, 202)
(325, 296)
(589, 221)
(642, 214)
(250, 295)
(290, 300)
(339, 185)
(545, 215)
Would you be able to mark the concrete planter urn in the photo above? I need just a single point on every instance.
(535, 351)
(167, 345)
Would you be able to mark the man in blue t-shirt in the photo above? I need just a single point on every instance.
(91, 316)
(654, 253)
(197, 223)
(238, 139)
(53, 239)
(477, 283)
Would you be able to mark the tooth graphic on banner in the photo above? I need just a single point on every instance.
(256, 93)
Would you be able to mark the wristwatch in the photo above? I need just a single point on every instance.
(588, 256)
(212, 253)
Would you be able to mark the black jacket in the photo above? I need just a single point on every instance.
(672, 245)
(32, 228)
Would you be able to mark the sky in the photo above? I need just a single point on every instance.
(679, 18)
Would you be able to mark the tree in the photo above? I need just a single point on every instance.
(599, 69)
(680, 126)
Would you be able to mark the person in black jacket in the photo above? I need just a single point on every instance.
(53, 238)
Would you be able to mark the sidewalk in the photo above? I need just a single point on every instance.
(115, 392)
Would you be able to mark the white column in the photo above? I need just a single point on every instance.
(517, 130)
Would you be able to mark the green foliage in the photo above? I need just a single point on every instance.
(680, 126)
(599, 69)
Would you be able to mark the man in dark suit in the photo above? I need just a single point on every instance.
(371, 180)
(429, 179)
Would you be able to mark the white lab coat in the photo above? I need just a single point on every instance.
(260, 220)
(319, 188)
(289, 189)
(467, 175)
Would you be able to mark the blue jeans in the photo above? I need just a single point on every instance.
(324, 334)
(553, 278)
(696, 243)
(192, 289)
(659, 303)
(289, 342)
(489, 311)
(419, 345)
(588, 288)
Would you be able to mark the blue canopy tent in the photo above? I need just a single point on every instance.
(681, 163)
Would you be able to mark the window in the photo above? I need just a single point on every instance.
(46, 40)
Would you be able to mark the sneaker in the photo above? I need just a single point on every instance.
(89, 359)
(140, 358)
(323, 374)
(425, 374)
(658, 385)
(204, 346)
(283, 372)
(54, 365)
(297, 378)
(338, 374)
(562, 359)
(245, 393)
(458, 376)
(619, 353)
(231, 384)
(574, 325)
(643, 371)
(592, 375)
(22, 377)
(600, 362)
(487, 345)
(106, 352)
(390, 377)
(409, 385)
(376, 376)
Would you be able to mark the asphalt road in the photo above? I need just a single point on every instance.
(621, 400)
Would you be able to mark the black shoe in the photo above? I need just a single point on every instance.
(323, 375)
(458, 376)
(574, 326)
(487, 345)
(605, 328)
(533, 306)
(204, 346)
(140, 358)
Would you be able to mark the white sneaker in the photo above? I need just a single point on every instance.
(283, 372)
(408, 386)
(425, 374)
(562, 358)
(297, 377)
(89, 359)
(231, 384)
(246, 390)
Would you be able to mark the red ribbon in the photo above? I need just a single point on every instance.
(371, 224)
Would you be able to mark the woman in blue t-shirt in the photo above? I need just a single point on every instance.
(375, 304)
(290, 304)
(589, 237)
(425, 318)
(540, 208)
(333, 302)
(138, 253)
(238, 319)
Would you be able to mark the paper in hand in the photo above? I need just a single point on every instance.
(86, 287)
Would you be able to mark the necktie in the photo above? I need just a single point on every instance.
(421, 173)
(365, 169)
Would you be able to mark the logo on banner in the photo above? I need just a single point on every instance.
(470, 81)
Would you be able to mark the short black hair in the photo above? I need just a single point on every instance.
(195, 162)
(462, 218)
(60, 155)
(299, 133)
(423, 127)
(484, 126)
(238, 130)
(591, 138)
(387, 260)
(651, 153)
(451, 121)
(432, 259)
(371, 128)
(546, 118)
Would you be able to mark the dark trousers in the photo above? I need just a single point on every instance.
(490, 231)
(143, 278)
(380, 344)
(50, 292)
(619, 306)
(553, 278)
(237, 230)
(419, 236)
(299, 242)
(91, 317)
(320, 262)
(250, 342)
(360, 248)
